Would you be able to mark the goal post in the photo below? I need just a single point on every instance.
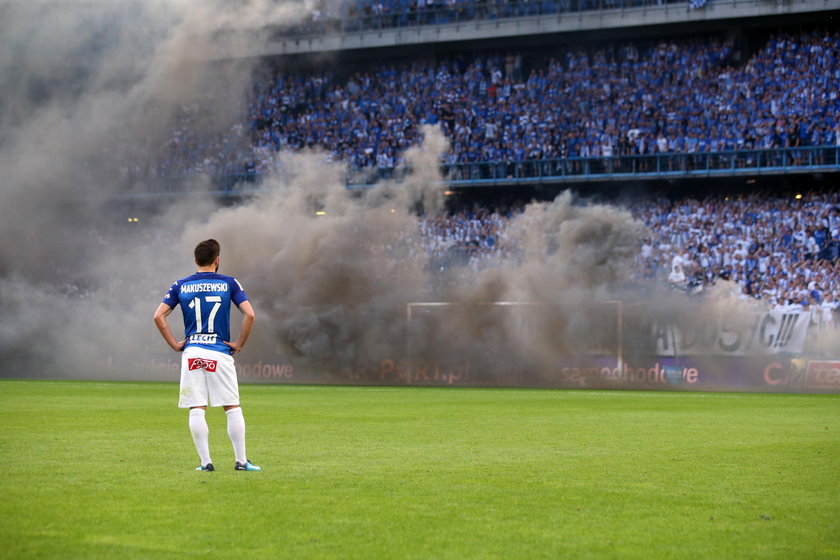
(430, 334)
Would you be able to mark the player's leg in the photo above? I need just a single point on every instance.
(194, 396)
(236, 432)
(224, 391)
(201, 437)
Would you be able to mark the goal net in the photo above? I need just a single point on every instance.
(510, 341)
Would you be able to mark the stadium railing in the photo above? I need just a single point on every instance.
(813, 159)
(662, 165)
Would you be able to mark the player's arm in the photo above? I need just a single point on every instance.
(247, 324)
(161, 313)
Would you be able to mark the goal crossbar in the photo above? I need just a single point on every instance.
(410, 306)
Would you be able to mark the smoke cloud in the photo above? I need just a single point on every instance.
(90, 93)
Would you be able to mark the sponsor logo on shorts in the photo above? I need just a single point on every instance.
(202, 363)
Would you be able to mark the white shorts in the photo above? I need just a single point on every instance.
(207, 377)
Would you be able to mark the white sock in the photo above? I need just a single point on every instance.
(200, 434)
(236, 431)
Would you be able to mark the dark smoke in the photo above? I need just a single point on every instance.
(89, 93)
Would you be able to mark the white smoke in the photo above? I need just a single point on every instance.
(90, 93)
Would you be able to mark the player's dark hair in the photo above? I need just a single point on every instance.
(206, 252)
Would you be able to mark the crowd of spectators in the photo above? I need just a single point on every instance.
(690, 97)
(515, 111)
(781, 251)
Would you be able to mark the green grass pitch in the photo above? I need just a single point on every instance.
(105, 470)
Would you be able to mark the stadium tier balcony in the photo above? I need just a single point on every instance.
(377, 24)
(676, 165)
(363, 15)
(673, 165)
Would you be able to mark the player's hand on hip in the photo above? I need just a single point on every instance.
(235, 348)
(179, 346)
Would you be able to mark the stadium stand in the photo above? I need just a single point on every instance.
(641, 106)
(782, 251)
(694, 106)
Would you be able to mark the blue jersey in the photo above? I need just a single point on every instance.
(205, 303)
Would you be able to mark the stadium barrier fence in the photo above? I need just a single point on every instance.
(668, 165)
(662, 165)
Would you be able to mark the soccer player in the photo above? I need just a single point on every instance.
(208, 375)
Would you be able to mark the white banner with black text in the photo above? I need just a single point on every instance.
(771, 332)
